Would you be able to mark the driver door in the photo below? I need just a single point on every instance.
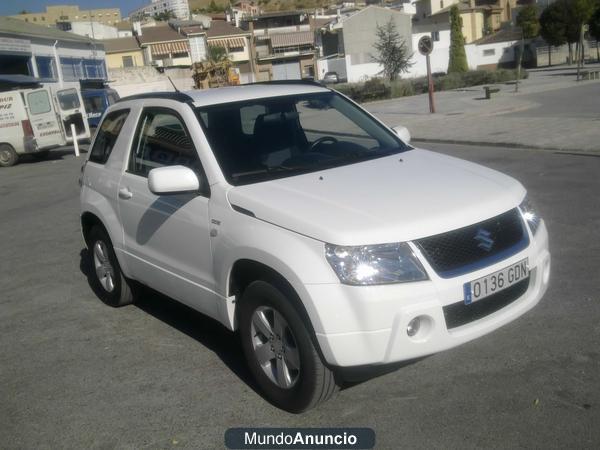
(166, 237)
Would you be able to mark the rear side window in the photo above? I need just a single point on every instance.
(162, 140)
(107, 135)
(38, 102)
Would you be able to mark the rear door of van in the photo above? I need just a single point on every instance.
(71, 111)
(44, 122)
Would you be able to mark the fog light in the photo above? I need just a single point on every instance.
(413, 327)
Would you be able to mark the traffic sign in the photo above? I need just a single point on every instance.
(425, 45)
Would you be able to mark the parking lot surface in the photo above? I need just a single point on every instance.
(76, 373)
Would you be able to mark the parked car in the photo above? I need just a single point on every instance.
(330, 78)
(96, 101)
(289, 213)
(29, 124)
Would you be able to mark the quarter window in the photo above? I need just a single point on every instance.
(162, 140)
(107, 135)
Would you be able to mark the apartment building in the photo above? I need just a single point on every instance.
(71, 13)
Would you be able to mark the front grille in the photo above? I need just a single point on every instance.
(466, 249)
(458, 314)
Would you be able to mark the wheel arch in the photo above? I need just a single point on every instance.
(244, 271)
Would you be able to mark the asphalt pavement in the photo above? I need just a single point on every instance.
(75, 373)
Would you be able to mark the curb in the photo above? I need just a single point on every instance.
(514, 145)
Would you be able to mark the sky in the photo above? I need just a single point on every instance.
(10, 7)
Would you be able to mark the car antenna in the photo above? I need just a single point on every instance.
(173, 84)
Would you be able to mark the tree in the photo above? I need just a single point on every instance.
(595, 29)
(217, 54)
(458, 57)
(528, 21)
(164, 16)
(392, 52)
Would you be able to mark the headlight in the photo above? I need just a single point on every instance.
(530, 216)
(375, 264)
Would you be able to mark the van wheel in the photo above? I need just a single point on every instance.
(8, 156)
(280, 352)
(108, 280)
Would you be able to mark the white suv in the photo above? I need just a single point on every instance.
(289, 213)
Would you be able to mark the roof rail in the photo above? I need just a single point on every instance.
(167, 95)
(308, 81)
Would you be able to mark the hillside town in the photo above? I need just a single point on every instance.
(137, 50)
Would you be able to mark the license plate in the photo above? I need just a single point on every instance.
(495, 282)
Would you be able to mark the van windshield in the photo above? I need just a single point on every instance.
(68, 99)
(269, 138)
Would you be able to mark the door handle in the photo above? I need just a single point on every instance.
(125, 193)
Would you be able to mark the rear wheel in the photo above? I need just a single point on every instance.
(108, 279)
(280, 351)
(8, 155)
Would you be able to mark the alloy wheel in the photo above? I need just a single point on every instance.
(104, 269)
(275, 347)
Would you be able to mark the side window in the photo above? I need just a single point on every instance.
(38, 102)
(107, 135)
(162, 140)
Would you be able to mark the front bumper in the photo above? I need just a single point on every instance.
(367, 325)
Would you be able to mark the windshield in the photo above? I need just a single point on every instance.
(264, 139)
(68, 99)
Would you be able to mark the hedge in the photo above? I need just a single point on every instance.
(379, 89)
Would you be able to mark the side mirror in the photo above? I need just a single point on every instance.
(173, 180)
(402, 133)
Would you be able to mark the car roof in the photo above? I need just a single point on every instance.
(230, 94)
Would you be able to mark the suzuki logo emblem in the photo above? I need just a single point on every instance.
(483, 237)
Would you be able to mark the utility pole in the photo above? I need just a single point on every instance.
(521, 50)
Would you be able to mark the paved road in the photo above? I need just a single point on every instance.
(75, 373)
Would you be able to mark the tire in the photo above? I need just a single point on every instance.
(106, 276)
(294, 389)
(8, 155)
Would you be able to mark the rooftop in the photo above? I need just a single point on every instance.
(220, 28)
(161, 33)
(119, 45)
(505, 35)
(18, 27)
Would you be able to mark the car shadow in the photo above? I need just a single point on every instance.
(222, 342)
(206, 331)
(56, 154)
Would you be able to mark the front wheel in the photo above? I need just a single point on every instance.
(280, 352)
(8, 156)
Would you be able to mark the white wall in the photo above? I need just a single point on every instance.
(503, 53)
(94, 30)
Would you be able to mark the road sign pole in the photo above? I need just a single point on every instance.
(430, 82)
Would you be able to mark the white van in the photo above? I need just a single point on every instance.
(28, 124)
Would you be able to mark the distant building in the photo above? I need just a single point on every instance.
(123, 52)
(71, 13)
(49, 53)
(180, 8)
(284, 45)
(346, 45)
(94, 30)
(124, 28)
(479, 17)
(163, 46)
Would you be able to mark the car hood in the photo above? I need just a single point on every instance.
(397, 198)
